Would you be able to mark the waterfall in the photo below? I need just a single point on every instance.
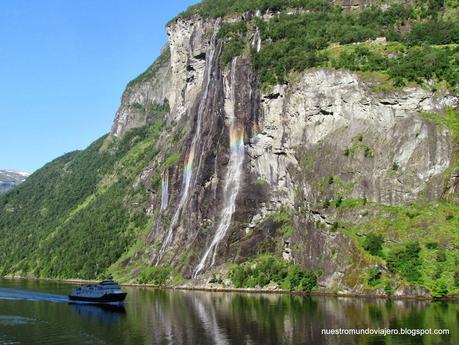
(256, 40)
(164, 190)
(188, 168)
(232, 180)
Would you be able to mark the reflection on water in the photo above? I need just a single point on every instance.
(189, 317)
(11, 320)
(103, 313)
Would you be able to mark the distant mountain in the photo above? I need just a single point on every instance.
(10, 179)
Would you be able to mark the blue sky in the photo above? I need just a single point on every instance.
(63, 67)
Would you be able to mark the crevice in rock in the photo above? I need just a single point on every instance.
(201, 56)
(280, 153)
(325, 112)
(387, 102)
(273, 96)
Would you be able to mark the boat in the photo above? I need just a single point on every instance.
(107, 291)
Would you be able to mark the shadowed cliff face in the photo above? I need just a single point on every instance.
(241, 155)
(215, 174)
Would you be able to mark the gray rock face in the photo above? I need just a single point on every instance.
(10, 179)
(176, 76)
(325, 135)
(363, 135)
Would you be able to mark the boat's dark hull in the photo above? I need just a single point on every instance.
(107, 298)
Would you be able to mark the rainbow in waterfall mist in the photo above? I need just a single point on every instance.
(188, 168)
(232, 185)
(236, 139)
(232, 179)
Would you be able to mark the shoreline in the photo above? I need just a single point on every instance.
(454, 298)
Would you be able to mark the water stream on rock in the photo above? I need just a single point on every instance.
(232, 180)
(165, 190)
(188, 168)
(256, 40)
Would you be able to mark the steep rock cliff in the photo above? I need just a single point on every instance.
(245, 154)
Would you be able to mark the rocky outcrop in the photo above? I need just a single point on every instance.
(144, 95)
(176, 76)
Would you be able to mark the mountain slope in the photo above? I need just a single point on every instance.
(301, 145)
(72, 218)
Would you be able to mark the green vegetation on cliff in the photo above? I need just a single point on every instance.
(159, 276)
(293, 43)
(266, 269)
(151, 71)
(423, 39)
(403, 64)
(417, 242)
(221, 8)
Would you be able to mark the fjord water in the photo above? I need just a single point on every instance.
(34, 312)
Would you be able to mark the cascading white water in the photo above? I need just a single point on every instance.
(188, 168)
(232, 180)
(256, 41)
(164, 190)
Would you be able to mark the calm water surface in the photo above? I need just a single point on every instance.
(38, 313)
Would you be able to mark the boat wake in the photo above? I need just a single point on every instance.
(25, 295)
